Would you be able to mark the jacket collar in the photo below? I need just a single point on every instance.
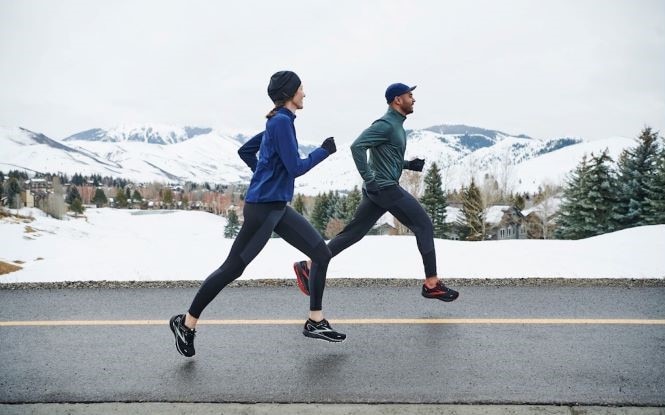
(392, 113)
(288, 112)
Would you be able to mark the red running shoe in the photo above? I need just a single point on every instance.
(302, 276)
(440, 292)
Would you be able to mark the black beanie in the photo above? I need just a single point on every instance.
(283, 86)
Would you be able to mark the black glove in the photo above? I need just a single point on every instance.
(329, 145)
(416, 164)
(371, 187)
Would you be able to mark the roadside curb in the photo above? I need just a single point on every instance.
(352, 282)
(323, 409)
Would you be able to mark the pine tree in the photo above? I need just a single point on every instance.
(434, 200)
(352, 203)
(518, 201)
(598, 203)
(77, 180)
(299, 204)
(635, 167)
(13, 192)
(654, 203)
(320, 213)
(473, 217)
(72, 193)
(570, 221)
(120, 199)
(167, 197)
(232, 226)
(136, 196)
(76, 206)
(99, 198)
(335, 206)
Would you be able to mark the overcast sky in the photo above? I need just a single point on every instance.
(582, 68)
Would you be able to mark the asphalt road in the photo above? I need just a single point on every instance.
(115, 346)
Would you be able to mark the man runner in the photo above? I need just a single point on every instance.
(385, 140)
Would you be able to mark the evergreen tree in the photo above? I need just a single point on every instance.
(167, 196)
(77, 179)
(76, 206)
(2, 186)
(136, 196)
(128, 194)
(635, 167)
(518, 201)
(99, 198)
(570, 220)
(352, 202)
(120, 198)
(597, 204)
(232, 226)
(335, 206)
(13, 192)
(320, 213)
(473, 216)
(434, 201)
(299, 205)
(21, 176)
(72, 193)
(654, 203)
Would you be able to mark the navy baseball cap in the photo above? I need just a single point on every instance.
(395, 90)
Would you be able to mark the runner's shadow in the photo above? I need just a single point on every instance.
(186, 372)
(328, 365)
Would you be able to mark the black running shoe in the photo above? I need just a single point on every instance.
(302, 276)
(440, 292)
(184, 336)
(323, 331)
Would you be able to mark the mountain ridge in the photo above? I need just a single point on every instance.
(200, 154)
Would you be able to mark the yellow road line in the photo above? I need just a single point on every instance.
(354, 321)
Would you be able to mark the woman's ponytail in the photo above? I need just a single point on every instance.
(278, 104)
(272, 112)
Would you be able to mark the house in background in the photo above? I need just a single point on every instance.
(513, 225)
(36, 191)
(506, 222)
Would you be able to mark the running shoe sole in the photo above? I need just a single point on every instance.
(319, 337)
(446, 299)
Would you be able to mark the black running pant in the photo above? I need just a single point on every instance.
(402, 206)
(261, 219)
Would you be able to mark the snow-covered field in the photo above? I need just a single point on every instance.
(124, 245)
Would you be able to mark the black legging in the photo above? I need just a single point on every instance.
(261, 219)
(402, 206)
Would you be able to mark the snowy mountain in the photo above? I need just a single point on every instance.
(26, 150)
(204, 157)
(152, 134)
(178, 154)
(519, 162)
